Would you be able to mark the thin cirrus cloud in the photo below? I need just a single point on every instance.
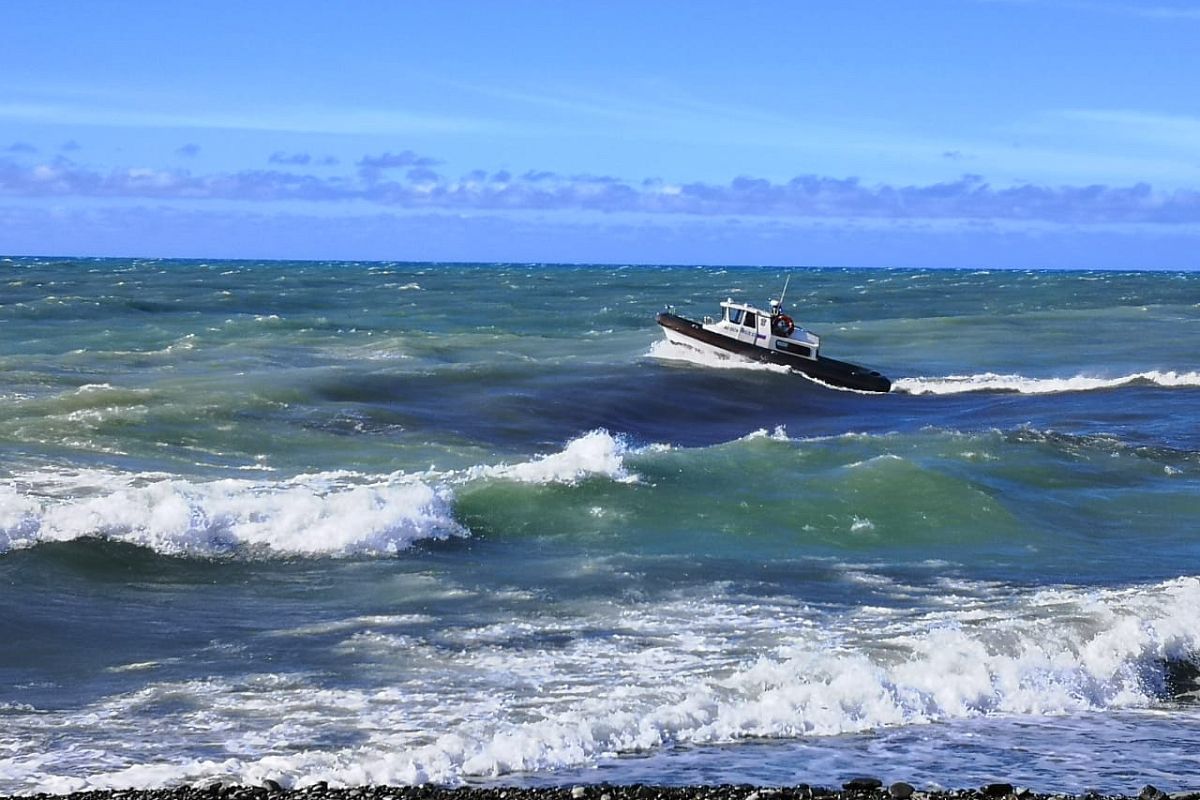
(301, 159)
(1143, 10)
(294, 159)
(372, 168)
(1159, 12)
(70, 110)
(408, 180)
(1157, 130)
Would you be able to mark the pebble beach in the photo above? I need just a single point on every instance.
(862, 788)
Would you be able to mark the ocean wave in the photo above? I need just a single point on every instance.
(597, 453)
(992, 382)
(849, 490)
(669, 678)
(325, 514)
(321, 514)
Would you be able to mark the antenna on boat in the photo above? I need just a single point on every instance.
(783, 294)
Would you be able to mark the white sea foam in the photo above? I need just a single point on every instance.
(666, 350)
(330, 514)
(779, 434)
(672, 676)
(597, 453)
(333, 513)
(992, 382)
(861, 525)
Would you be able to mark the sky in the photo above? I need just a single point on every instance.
(923, 133)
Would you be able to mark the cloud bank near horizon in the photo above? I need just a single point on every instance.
(411, 181)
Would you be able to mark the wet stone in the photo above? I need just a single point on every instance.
(862, 784)
(901, 790)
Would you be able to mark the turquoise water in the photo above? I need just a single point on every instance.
(454, 523)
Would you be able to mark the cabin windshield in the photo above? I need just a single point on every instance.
(734, 315)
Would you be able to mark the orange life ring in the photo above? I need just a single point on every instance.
(784, 323)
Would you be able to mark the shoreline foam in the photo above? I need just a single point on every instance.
(854, 789)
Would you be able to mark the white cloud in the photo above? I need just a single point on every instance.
(969, 197)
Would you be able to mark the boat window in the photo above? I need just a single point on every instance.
(735, 315)
(798, 349)
(750, 320)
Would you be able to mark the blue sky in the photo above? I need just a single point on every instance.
(977, 133)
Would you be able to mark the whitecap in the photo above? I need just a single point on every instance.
(597, 453)
(669, 678)
(992, 382)
(335, 514)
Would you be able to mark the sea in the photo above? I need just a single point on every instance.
(480, 524)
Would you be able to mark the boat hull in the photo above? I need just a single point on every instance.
(826, 370)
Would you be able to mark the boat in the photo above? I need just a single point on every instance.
(770, 336)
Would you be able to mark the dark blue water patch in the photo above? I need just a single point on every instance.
(1148, 416)
(79, 614)
(522, 405)
(92, 618)
(515, 407)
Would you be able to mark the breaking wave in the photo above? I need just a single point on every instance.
(597, 453)
(335, 513)
(992, 382)
(659, 683)
(860, 491)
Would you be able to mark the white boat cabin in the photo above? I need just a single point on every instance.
(771, 330)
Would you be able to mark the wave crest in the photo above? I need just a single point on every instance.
(993, 382)
(1054, 652)
(597, 453)
(325, 514)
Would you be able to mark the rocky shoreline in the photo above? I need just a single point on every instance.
(857, 789)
